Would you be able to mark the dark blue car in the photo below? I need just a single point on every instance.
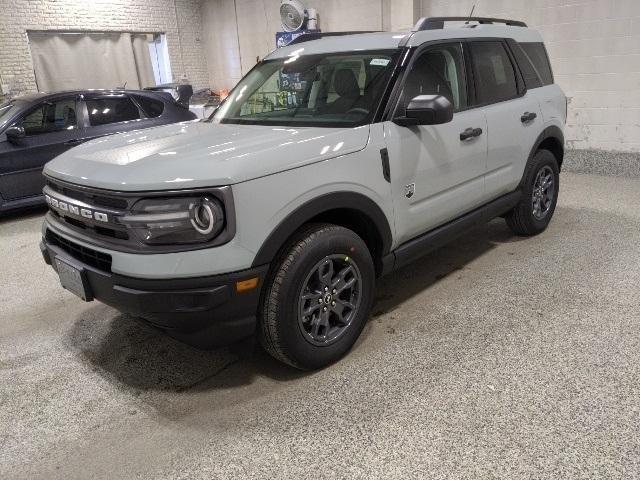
(36, 128)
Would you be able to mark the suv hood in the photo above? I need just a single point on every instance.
(199, 154)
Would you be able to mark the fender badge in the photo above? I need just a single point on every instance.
(409, 190)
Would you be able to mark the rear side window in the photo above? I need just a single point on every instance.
(495, 77)
(152, 108)
(538, 56)
(106, 110)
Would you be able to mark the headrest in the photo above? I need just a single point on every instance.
(346, 84)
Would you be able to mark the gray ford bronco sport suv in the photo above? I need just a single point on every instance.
(335, 160)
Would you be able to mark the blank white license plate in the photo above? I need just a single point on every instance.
(72, 279)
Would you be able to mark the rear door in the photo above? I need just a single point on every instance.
(513, 115)
(437, 171)
(50, 129)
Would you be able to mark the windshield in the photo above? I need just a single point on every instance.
(326, 90)
(6, 110)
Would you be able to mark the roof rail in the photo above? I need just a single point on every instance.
(437, 23)
(307, 37)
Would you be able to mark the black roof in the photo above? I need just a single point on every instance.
(39, 96)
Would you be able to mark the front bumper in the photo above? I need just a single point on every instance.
(204, 311)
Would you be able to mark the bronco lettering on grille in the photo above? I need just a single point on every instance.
(67, 207)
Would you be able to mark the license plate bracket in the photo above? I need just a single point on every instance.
(74, 279)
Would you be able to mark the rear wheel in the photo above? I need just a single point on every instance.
(540, 185)
(318, 298)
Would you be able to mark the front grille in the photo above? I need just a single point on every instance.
(89, 197)
(94, 199)
(88, 256)
(112, 232)
(119, 233)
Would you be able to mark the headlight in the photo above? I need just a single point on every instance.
(175, 220)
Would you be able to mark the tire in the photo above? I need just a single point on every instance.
(524, 219)
(297, 339)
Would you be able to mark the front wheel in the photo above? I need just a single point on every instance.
(540, 186)
(319, 297)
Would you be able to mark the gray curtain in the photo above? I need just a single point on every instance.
(64, 61)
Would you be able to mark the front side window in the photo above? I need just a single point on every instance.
(51, 117)
(438, 71)
(494, 74)
(105, 110)
(325, 90)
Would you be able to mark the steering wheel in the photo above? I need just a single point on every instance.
(355, 110)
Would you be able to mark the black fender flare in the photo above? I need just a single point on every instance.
(321, 204)
(552, 131)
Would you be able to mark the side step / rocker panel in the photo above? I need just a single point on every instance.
(440, 236)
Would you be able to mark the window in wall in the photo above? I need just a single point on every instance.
(51, 117)
(107, 110)
(495, 76)
(159, 53)
(538, 56)
(68, 60)
(438, 71)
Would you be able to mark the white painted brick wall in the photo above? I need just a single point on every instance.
(594, 47)
(234, 41)
(185, 50)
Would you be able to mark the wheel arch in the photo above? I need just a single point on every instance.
(348, 209)
(552, 139)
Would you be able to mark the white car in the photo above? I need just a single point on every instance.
(335, 160)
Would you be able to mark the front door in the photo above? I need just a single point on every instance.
(437, 171)
(50, 129)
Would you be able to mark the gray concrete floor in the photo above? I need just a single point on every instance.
(495, 357)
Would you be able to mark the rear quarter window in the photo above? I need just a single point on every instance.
(152, 108)
(538, 57)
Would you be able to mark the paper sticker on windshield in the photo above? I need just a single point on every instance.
(380, 62)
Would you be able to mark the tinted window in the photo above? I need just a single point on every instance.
(51, 117)
(529, 73)
(107, 110)
(152, 108)
(438, 71)
(538, 56)
(494, 75)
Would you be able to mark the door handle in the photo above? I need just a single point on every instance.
(527, 117)
(74, 141)
(470, 133)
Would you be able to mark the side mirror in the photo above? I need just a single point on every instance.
(427, 110)
(14, 134)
